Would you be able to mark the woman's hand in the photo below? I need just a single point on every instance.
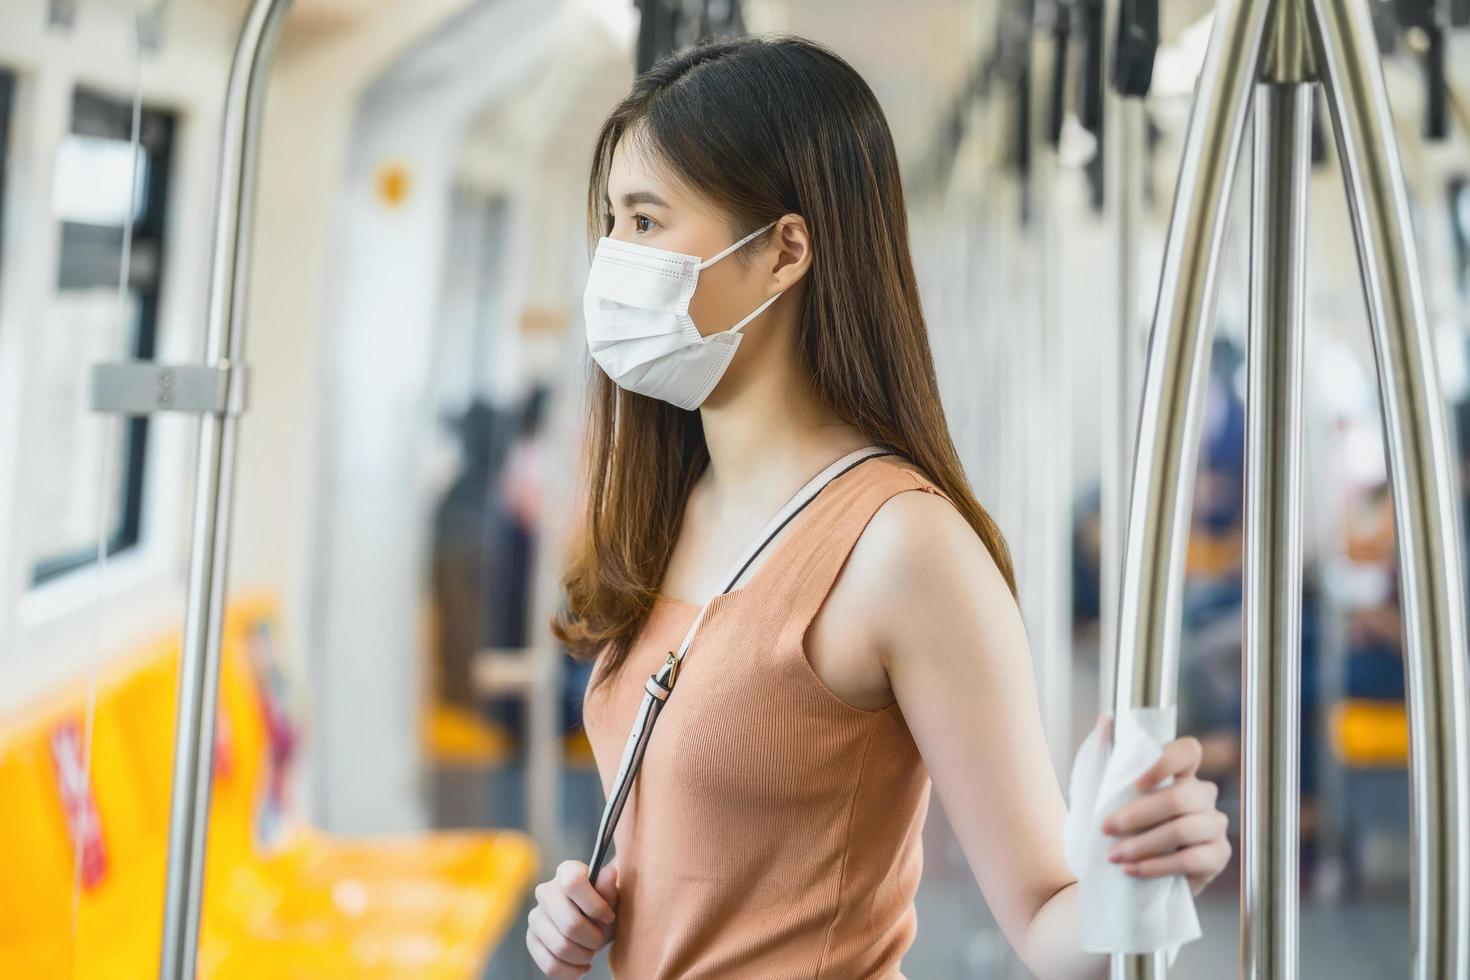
(571, 920)
(1176, 829)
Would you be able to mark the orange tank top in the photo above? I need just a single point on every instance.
(773, 830)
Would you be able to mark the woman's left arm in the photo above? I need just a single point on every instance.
(950, 638)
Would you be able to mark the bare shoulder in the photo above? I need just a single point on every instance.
(918, 589)
(917, 541)
(920, 560)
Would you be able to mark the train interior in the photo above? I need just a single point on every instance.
(398, 755)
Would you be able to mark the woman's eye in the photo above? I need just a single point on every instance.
(642, 222)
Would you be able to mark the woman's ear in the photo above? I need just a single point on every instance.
(791, 247)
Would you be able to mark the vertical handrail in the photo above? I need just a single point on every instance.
(1124, 163)
(1169, 420)
(1272, 631)
(1428, 532)
(1047, 444)
(209, 545)
(1426, 515)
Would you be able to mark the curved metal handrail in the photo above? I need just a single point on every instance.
(1425, 507)
(209, 547)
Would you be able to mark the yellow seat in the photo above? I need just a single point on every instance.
(411, 901)
(303, 904)
(456, 736)
(35, 888)
(1368, 733)
(112, 928)
(577, 750)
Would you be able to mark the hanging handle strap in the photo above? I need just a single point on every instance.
(660, 685)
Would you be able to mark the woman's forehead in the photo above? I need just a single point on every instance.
(636, 170)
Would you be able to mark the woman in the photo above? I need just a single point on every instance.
(774, 829)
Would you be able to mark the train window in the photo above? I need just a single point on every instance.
(94, 201)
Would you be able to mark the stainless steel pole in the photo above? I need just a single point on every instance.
(1123, 165)
(1426, 511)
(1048, 444)
(1271, 705)
(208, 552)
(1168, 433)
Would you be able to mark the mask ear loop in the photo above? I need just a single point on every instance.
(715, 258)
(720, 255)
(755, 313)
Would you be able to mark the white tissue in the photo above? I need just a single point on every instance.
(1120, 913)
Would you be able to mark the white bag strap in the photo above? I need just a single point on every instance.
(783, 517)
(658, 688)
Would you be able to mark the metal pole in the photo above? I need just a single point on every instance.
(544, 759)
(1123, 163)
(1426, 513)
(1048, 445)
(1273, 547)
(1168, 433)
(208, 552)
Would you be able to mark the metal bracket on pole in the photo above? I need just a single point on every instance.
(147, 387)
(1287, 56)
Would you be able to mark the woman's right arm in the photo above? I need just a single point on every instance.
(572, 920)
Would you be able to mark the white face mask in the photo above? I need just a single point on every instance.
(636, 308)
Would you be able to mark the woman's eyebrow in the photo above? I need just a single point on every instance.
(642, 197)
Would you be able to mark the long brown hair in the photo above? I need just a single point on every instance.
(763, 127)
